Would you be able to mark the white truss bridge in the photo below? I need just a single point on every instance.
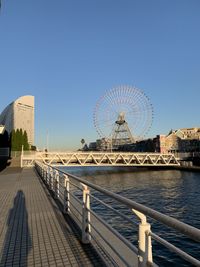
(99, 159)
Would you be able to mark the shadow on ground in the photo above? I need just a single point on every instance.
(17, 242)
(4, 163)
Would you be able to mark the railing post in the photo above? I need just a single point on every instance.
(51, 182)
(86, 228)
(48, 175)
(45, 174)
(145, 257)
(41, 170)
(22, 156)
(66, 204)
(56, 184)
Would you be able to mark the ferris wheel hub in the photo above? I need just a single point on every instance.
(121, 118)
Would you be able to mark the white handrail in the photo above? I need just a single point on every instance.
(144, 251)
(184, 228)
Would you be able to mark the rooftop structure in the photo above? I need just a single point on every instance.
(20, 115)
(191, 133)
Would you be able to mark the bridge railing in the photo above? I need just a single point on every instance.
(118, 250)
(79, 158)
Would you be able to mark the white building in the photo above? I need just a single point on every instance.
(2, 129)
(20, 115)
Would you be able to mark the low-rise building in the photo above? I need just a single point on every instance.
(93, 146)
(191, 133)
(181, 140)
(103, 144)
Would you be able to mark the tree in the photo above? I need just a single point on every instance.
(82, 142)
(25, 141)
(18, 139)
(13, 140)
(21, 139)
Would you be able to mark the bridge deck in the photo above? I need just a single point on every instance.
(33, 231)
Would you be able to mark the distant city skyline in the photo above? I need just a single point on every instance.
(70, 53)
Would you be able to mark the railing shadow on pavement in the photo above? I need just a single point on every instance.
(17, 242)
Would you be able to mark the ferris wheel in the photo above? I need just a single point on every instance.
(124, 114)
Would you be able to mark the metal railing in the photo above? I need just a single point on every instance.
(118, 249)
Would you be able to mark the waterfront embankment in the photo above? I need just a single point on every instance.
(188, 168)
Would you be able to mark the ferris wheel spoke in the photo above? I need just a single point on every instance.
(107, 120)
(103, 126)
(135, 112)
(111, 108)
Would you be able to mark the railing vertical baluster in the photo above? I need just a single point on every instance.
(22, 157)
(145, 257)
(48, 174)
(56, 184)
(86, 228)
(51, 179)
(66, 205)
(42, 170)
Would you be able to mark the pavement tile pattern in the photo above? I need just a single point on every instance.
(33, 231)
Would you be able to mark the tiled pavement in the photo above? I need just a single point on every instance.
(33, 231)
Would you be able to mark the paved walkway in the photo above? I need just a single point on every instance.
(33, 231)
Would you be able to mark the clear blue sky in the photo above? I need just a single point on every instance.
(68, 53)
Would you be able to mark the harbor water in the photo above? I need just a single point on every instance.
(172, 192)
